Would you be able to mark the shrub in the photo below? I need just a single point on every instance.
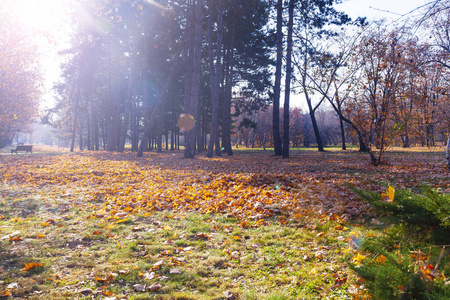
(408, 259)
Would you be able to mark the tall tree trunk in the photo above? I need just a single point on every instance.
(159, 129)
(447, 154)
(277, 88)
(75, 121)
(226, 104)
(89, 125)
(192, 104)
(341, 123)
(287, 91)
(126, 117)
(215, 76)
(134, 128)
(113, 119)
(96, 133)
(146, 117)
(157, 110)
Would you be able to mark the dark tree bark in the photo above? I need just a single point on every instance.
(277, 88)
(287, 91)
(226, 104)
(215, 70)
(192, 100)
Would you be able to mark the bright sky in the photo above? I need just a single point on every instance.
(378, 9)
(48, 22)
(391, 10)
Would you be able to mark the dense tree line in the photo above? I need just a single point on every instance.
(134, 67)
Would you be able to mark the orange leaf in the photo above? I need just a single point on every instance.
(107, 279)
(31, 265)
(15, 239)
(5, 293)
(381, 259)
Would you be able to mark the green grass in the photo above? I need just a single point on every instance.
(303, 250)
(254, 263)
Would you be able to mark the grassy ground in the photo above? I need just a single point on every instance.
(252, 226)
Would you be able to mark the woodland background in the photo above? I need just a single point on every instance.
(133, 67)
(191, 77)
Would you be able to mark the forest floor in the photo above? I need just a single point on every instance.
(104, 225)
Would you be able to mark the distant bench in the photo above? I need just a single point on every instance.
(26, 148)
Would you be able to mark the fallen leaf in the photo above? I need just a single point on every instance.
(31, 265)
(12, 286)
(149, 276)
(154, 287)
(381, 259)
(86, 291)
(358, 258)
(229, 296)
(15, 239)
(5, 293)
(388, 196)
(139, 287)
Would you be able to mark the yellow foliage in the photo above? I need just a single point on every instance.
(388, 196)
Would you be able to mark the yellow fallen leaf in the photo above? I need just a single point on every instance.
(388, 196)
(358, 258)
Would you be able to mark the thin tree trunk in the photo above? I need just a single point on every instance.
(287, 91)
(341, 123)
(226, 105)
(316, 131)
(75, 121)
(192, 104)
(277, 88)
(162, 96)
(127, 117)
(113, 119)
(447, 155)
(215, 76)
